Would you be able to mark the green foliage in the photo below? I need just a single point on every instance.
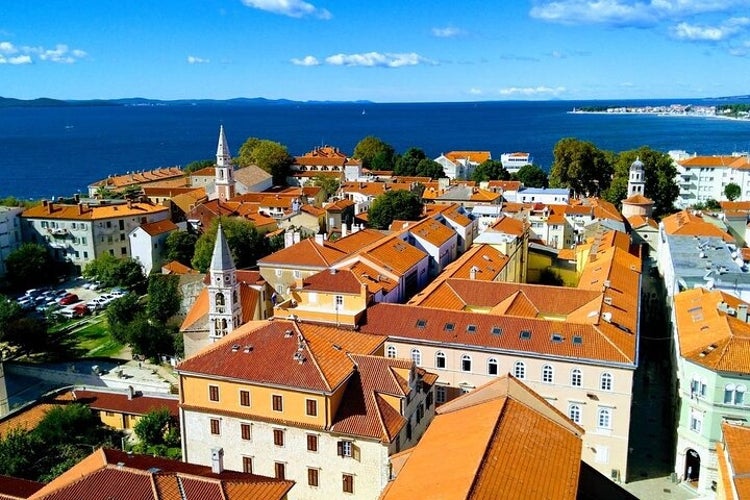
(164, 296)
(549, 276)
(149, 337)
(120, 313)
(712, 204)
(10, 311)
(29, 334)
(580, 166)
(268, 155)
(329, 185)
(153, 427)
(12, 201)
(29, 266)
(490, 170)
(115, 271)
(196, 165)
(374, 153)
(532, 176)
(394, 205)
(180, 246)
(416, 163)
(246, 244)
(16, 453)
(732, 191)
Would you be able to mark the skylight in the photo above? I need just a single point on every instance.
(471, 328)
(496, 330)
(557, 337)
(449, 327)
(525, 334)
(421, 323)
(577, 340)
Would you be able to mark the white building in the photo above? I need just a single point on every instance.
(10, 233)
(148, 244)
(703, 178)
(461, 164)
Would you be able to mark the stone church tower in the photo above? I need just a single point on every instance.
(637, 179)
(224, 181)
(636, 204)
(224, 305)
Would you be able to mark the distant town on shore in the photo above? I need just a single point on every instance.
(734, 110)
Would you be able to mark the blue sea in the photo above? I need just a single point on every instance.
(58, 151)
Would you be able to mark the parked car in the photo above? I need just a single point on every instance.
(76, 311)
(68, 299)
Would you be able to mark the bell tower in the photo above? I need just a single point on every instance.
(224, 306)
(636, 179)
(224, 181)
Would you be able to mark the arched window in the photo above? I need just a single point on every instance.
(440, 359)
(466, 363)
(416, 356)
(574, 413)
(219, 302)
(390, 351)
(729, 394)
(605, 381)
(734, 394)
(604, 418)
(519, 370)
(547, 376)
(492, 366)
(739, 395)
(576, 377)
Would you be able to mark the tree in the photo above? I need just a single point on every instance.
(10, 311)
(490, 170)
(532, 176)
(148, 337)
(180, 246)
(580, 166)
(152, 427)
(328, 185)
(120, 313)
(659, 178)
(732, 191)
(407, 163)
(246, 244)
(17, 453)
(430, 168)
(163, 296)
(394, 205)
(29, 266)
(268, 155)
(115, 271)
(196, 165)
(374, 153)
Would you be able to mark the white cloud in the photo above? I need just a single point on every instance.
(60, 54)
(686, 31)
(22, 59)
(558, 54)
(531, 91)
(7, 48)
(376, 59)
(306, 61)
(197, 60)
(475, 91)
(291, 8)
(627, 12)
(447, 32)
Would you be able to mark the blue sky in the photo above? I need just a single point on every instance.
(383, 50)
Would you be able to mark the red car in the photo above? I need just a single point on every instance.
(70, 298)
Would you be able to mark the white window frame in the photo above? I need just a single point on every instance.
(390, 351)
(604, 418)
(493, 362)
(440, 355)
(416, 356)
(519, 370)
(464, 359)
(575, 412)
(576, 377)
(606, 381)
(548, 374)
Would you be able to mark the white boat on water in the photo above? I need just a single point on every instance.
(514, 161)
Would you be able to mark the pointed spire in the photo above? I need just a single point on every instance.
(223, 157)
(221, 260)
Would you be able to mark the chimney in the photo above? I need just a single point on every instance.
(217, 460)
(343, 229)
(288, 239)
(742, 312)
(80, 209)
(131, 392)
(319, 239)
(296, 237)
(473, 273)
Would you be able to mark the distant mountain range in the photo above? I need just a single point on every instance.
(9, 102)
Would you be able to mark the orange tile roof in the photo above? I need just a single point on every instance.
(272, 357)
(355, 241)
(197, 316)
(339, 205)
(638, 199)
(145, 177)
(159, 227)
(28, 417)
(432, 231)
(472, 156)
(375, 281)
(513, 445)
(110, 473)
(504, 185)
(708, 161)
(305, 254)
(509, 225)
(49, 210)
(708, 336)
(736, 448)
(333, 281)
(204, 172)
(14, 488)
(175, 267)
(119, 402)
(394, 255)
(685, 223)
(740, 206)
(451, 211)
(638, 221)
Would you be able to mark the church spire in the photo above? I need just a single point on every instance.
(221, 260)
(225, 306)
(224, 180)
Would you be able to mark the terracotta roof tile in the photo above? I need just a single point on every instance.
(736, 452)
(394, 255)
(175, 267)
(686, 223)
(159, 227)
(28, 417)
(13, 488)
(306, 254)
(148, 176)
(93, 212)
(119, 402)
(355, 241)
(333, 281)
(472, 156)
(708, 161)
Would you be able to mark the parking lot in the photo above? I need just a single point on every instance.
(69, 298)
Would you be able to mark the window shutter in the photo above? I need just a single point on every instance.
(355, 452)
(340, 448)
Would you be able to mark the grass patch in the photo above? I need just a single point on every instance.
(94, 340)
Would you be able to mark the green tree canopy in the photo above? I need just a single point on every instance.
(394, 205)
(407, 163)
(659, 178)
(430, 168)
(532, 176)
(732, 191)
(163, 296)
(246, 244)
(115, 271)
(180, 246)
(374, 153)
(328, 185)
(152, 427)
(580, 166)
(271, 156)
(120, 313)
(29, 266)
(196, 165)
(490, 170)
(149, 338)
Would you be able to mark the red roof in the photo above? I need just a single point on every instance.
(119, 402)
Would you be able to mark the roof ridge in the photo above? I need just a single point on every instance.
(313, 357)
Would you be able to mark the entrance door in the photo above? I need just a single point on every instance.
(692, 466)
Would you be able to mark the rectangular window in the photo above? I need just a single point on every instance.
(123, 251)
(278, 273)
(244, 398)
(278, 403)
(339, 301)
(213, 392)
(122, 238)
(344, 448)
(440, 394)
(245, 431)
(312, 408)
(348, 483)
(247, 465)
(429, 400)
(109, 223)
(297, 274)
(122, 225)
(312, 442)
(312, 477)
(278, 437)
(215, 426)
(280, 470)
